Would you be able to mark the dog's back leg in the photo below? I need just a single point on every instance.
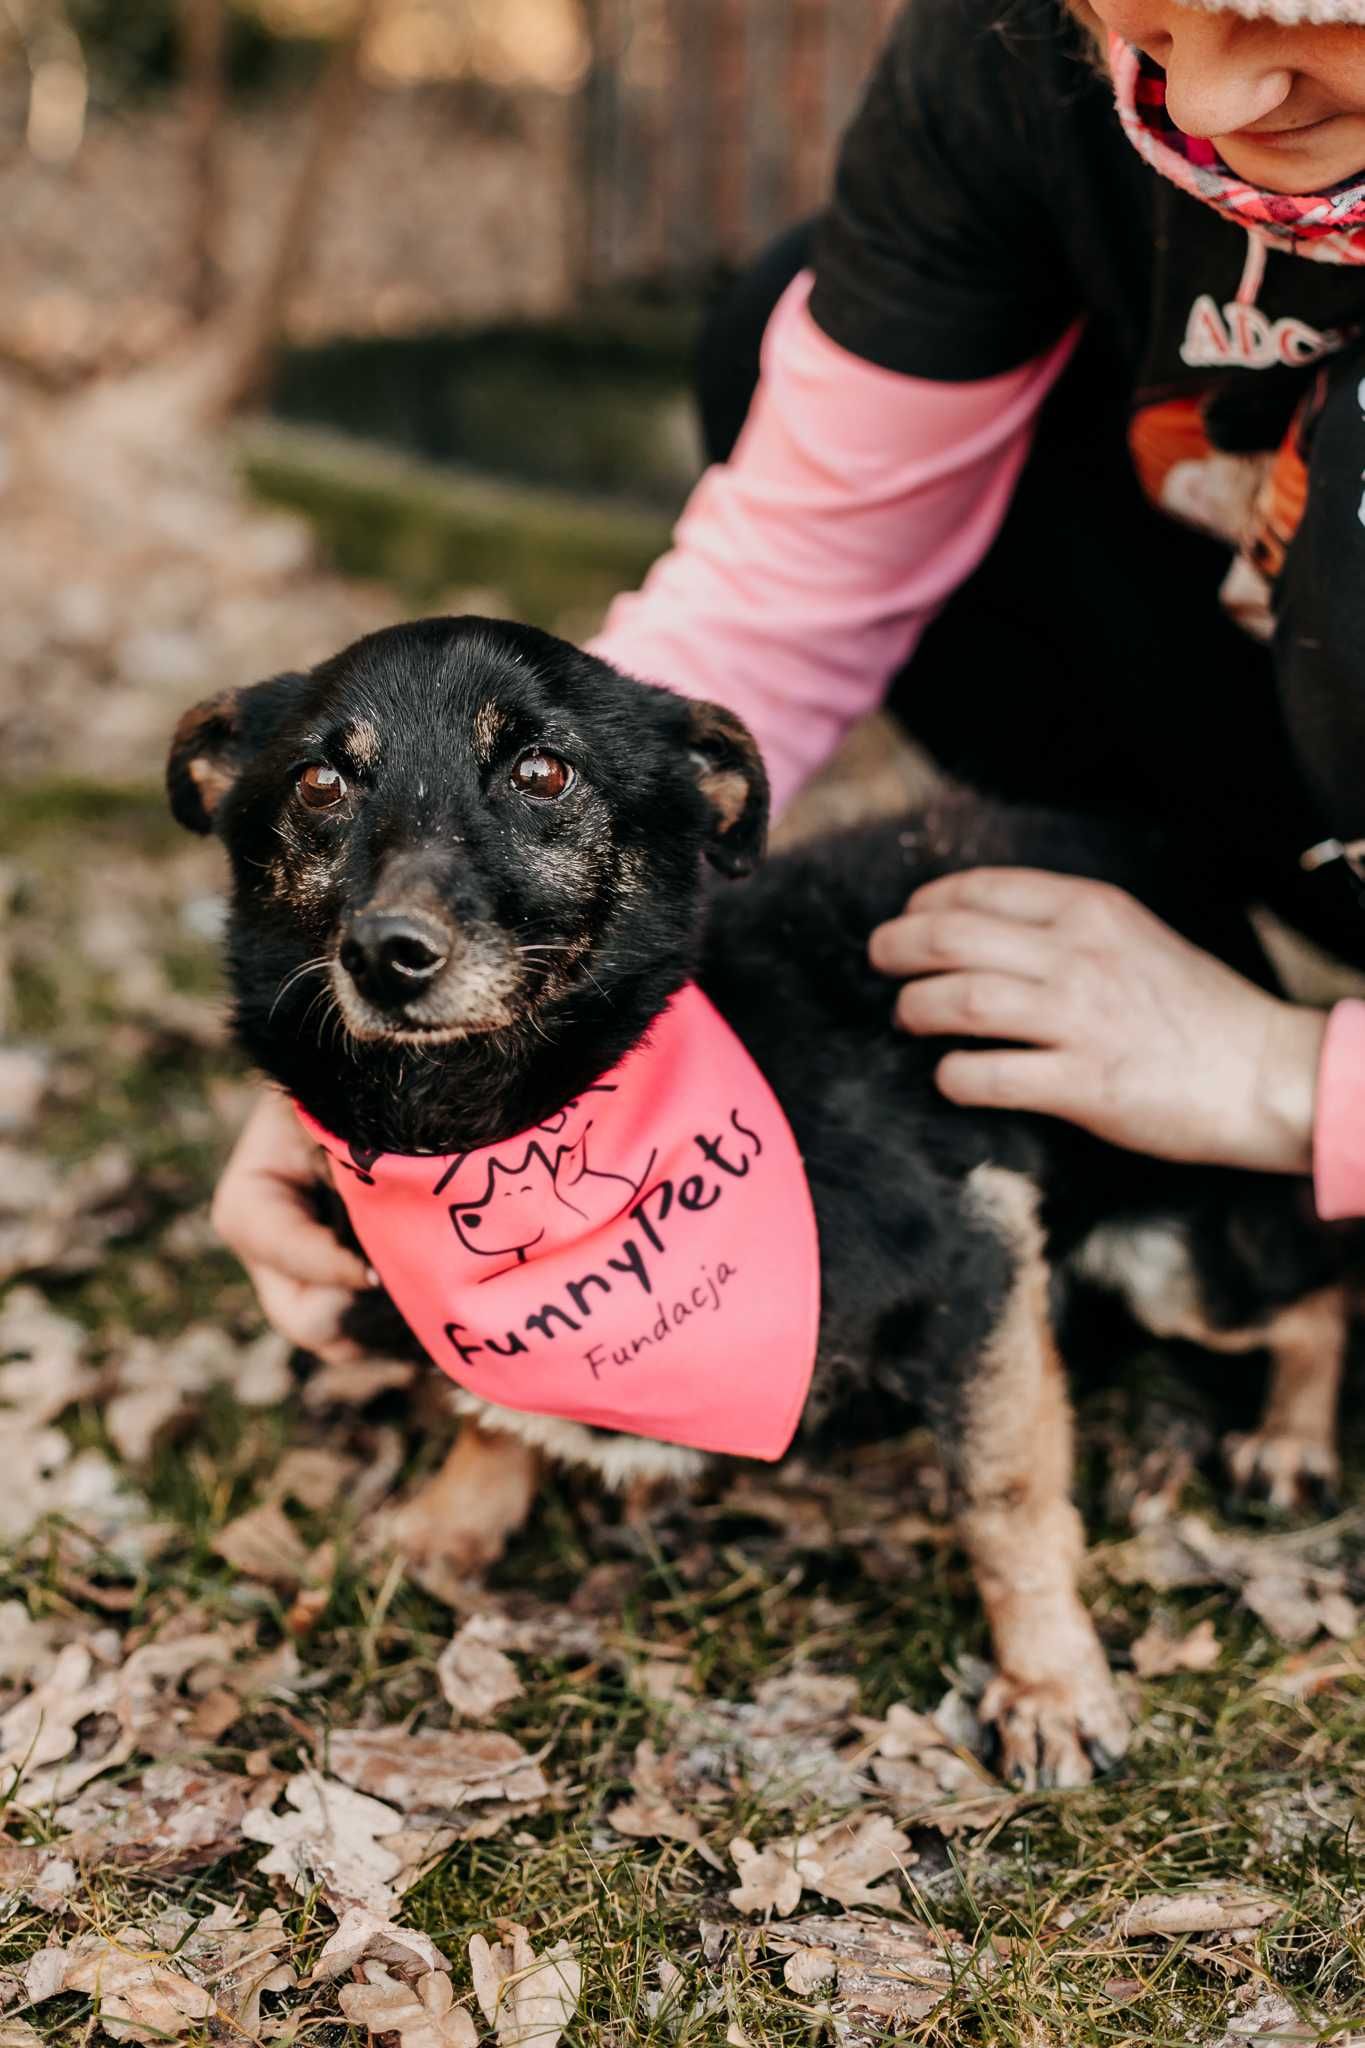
(1291, 1456)
(1005, 1430)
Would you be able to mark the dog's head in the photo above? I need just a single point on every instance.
(453, 827)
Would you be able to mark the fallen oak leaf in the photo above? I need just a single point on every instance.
(420, 2015)
(768, 1877)
(651, 1814)
(892, 1970)
(528, 1998)
(474, 1675)
(137, 1995)
(841, 1861)
(1198, 1912)
(364, 1936)
(434, 1770)
(334, 1836)
(1158, 1652)
(930, 1775)
(264, 1544)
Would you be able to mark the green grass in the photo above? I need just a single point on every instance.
(1213, 1792)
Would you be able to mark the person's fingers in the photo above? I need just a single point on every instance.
(270, 1223)
(934, 941)
(979, 1005)
(307, 1315)
(1046, 1082)
(1030, 895)
(263, 1208)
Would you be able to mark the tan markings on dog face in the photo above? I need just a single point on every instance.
(490, 722)
(212, 778)
(1012, 1471)
(727, 792)
(362, 742)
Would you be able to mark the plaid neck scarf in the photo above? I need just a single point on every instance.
(1327, 226)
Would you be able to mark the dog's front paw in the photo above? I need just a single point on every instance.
(458, 1525)
(1293, 1473)
(1056, 1731)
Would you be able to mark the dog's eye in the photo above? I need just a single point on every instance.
(542, 774)
(321, 787)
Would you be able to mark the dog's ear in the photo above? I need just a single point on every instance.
(731, 776)
(212, 743)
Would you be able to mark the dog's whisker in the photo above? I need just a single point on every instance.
(315, 966)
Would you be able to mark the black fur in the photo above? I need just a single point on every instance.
(610, 879)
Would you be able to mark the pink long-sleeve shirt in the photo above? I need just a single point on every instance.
(804, 570)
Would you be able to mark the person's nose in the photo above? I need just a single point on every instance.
(1219, 78)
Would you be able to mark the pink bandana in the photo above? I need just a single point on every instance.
(1327, 226)
(645, 1260)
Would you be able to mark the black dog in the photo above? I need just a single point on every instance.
(468, 873)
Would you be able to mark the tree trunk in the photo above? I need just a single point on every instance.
(257, 330)
(203, 39)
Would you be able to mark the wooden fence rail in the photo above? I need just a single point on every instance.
(708, 125)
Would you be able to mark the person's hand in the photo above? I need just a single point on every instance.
(262, 1210)
(1113, 1021)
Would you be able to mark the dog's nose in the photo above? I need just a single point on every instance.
(391, 955)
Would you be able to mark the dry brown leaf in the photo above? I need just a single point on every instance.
(24, 1074)
(1199, 1912)
(808, 1970)
(352, 1383)
(420, 2015)
(931, 1775)
(528, 1999)
(1269, 2018)
(802, 1699)
(45, 1373)
(237, 1963)
(893, 1971)
(1158, 1651)
(1291, 1582)
(157, 1981)
(651, 1814)
(156, 1387)
(335, 1837)
(666, 1681)
(42, 1758)
(138, 1994)
(313, 1475)
(840, 1861)
(435, 1770)
(475, 1676)
(177, 1819)
(768, 1878)
(19, 2034)
(367, 1937)
(264, 1544)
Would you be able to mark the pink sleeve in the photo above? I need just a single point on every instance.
(804, 570)
(1339, 1116)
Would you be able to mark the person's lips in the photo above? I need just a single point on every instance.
(1273, 137)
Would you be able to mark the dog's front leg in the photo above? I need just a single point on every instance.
(482, 1495)
(1009, 1456)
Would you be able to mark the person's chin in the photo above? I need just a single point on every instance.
(1296, 164)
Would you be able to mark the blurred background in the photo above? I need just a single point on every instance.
(313, 312)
